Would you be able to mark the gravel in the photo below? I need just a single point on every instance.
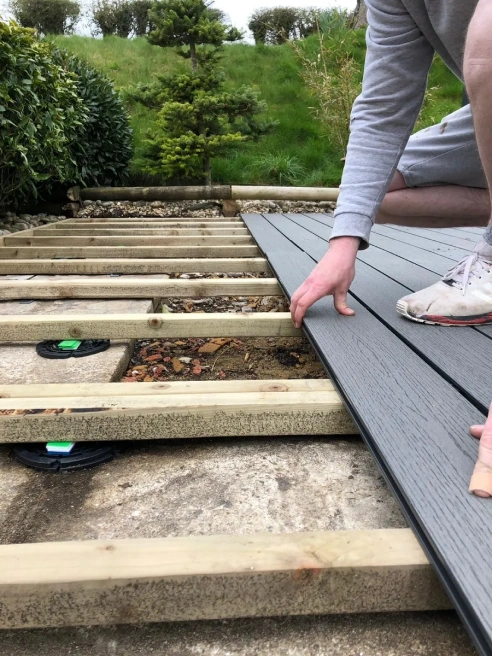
(11, 222)
(198, 209)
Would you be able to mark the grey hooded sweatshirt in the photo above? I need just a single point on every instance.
(401, 40)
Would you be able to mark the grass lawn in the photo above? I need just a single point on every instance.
(299, 151)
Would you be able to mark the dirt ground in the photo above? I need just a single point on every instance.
(222, 358)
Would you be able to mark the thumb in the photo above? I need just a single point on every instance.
(476, 430)
(341, 305)
(481, 480)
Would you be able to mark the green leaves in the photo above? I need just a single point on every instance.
(103, 147)
(197, 119)
(179, 23)
(40, 117)
(47, 16)
(61, 121)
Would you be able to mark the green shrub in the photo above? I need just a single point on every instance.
(41, 115)
(113, 17)
(103, 147)
(198, 119)
(279, 24)
(122, 17)
(46, 16)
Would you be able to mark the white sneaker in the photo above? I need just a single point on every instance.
(462, 298)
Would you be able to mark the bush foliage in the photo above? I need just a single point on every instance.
(60, 121)
(122, 18)
(46, 16)
(103, 147)
(41, 115)
(279, 24)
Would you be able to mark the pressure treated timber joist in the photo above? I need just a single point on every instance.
(146, 288)
(124, 240)
(165, 415)
(164, 388)
(133, 266)
(31, 252)
(77, 224)
(141, 326)
(153, 221)
(137, 232)
(214, 577)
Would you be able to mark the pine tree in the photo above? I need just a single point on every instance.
(197, 119)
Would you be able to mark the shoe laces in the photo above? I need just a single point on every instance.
(470, 267)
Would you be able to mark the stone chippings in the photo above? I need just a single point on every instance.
(199, 209)
(11, 222)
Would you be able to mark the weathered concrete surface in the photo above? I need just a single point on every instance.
(205, 487)
(411, 634)
(21, 364)
(211, 487)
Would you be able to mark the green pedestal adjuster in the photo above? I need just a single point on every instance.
(69, 344)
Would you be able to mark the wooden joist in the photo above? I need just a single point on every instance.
(214, 577)
(163, 414)
(153, 221)
(168, 224)
(43, 252)
(137, 232)
(165, 388)
(146, 288)
(123, 240)
(134, 266)
(141, 326)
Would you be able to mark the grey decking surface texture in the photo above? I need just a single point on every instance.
(412, 389)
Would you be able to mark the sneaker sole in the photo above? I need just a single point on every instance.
(436, 320)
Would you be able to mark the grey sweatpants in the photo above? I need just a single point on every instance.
(446, 153)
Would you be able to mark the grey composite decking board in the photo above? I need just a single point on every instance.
(424, 243)
(431, 261)
(451, 232)
(465, 244)
(415, 423)
(403, 271)
(409, 251)
(475, 231)
(462, 359)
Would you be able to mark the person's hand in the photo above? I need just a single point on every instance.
(481, 480)
(333, 275)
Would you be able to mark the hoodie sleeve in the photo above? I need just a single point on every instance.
(397, 65)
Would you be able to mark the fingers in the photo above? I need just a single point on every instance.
(295, 299)
(477, 430)
(341, 305)
(308, 298)
(307, 295)
(481, 480)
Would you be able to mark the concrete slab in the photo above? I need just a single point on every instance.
(204, 488)
(21, 364)
(411, 634)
